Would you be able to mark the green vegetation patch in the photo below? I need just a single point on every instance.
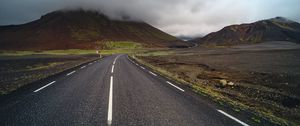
(122, 45)
(118, 47)
(87, 34)
(43, 66)
(156, 53)
(49, 52)
(283, 25)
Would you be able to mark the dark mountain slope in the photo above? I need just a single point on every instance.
(80, 30)
(275, 29)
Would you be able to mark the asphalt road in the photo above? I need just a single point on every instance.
(116, 91)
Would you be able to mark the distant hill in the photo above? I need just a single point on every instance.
(275, 29)
(79, 29)
(185, 38)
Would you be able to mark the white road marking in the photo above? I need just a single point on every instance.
(235, 119)
(82, 67)
(129, 58)
(110, 101)
(142, 67)
(116, 59)
(71, 73)
(112, 68)
(45, 86)
(175, 86)
(152, 73)
(90, 63)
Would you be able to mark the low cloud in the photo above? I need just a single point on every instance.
(177, 17)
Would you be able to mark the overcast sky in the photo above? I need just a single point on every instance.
(176, 17)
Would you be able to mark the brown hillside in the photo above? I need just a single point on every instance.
(275, 29)
(80, 30)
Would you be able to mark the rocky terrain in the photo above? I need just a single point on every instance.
(263, 78)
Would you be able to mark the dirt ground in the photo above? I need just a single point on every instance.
(17, 71)
(265, 76)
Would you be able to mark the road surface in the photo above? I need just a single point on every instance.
(113, 91)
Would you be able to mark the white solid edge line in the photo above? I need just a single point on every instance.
(233, 118)
(44, 86)
(71, 73)
(142, 67)
(110, 100)
(175, 86)
(131, 60)
(82, 67)
(112, 68)
(152, 73)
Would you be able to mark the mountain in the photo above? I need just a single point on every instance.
(79, 29)
(274, 29)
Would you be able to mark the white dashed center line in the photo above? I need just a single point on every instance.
(82, 67)
(110, 102)
(112, 68)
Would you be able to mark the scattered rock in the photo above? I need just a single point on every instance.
(223, 82)
(230, 84)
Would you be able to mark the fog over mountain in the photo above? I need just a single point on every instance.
(176, 17)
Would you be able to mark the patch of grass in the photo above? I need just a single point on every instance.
(70, 52)
(236, 109)
(255, 119)
(118, 51)
(118, 47)
(155, 53)
(49, 52)
(122, 45)
(43, 66)
(84, 34)
(283, 25)
(16, 53)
